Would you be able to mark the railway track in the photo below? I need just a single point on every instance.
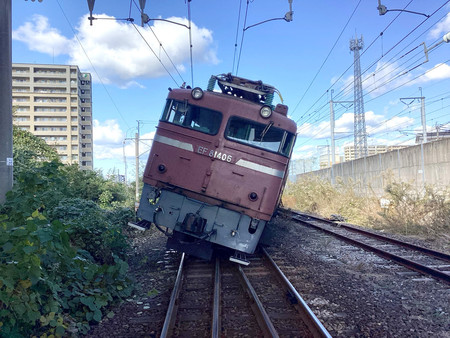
(419, 259)
(224, 299)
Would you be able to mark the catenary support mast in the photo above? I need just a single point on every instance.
(360, 121)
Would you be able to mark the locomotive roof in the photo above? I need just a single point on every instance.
(219, 101)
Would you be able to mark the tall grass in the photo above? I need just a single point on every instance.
(409, 212)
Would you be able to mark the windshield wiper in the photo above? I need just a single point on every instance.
(266, 129)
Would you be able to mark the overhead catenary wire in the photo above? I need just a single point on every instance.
(90, 62)
(371, 44)
(237, 35)
(324, 106)
(420, 24)
(190, 41)
(160, 44)
(154, 53)
(242, 37)
(351, 65)
(326, 59)
(325, 127)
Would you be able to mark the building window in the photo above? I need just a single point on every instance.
(50, 99)
(49, 90)
(21, 79)
(21, 99)
(54, 138)
(21, 70)
(50, 128)
(21, 118)
(47, 118)
(52, 109)
(20, 89)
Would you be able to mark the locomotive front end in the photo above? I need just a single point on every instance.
(216, 170)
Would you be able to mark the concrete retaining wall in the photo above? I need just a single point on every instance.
(374, 172)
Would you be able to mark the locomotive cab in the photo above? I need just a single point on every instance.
(217, 166)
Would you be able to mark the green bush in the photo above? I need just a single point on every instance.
(91, 229)
(61, 261)
(43, 278)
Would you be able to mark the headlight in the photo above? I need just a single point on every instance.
(197, 93)
(253, 196)
(265, 112)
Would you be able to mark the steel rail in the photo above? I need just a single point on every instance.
(172, 309)
(430, 252)
(314, 325)
(423, 269)
(261, 315)
(216, 324)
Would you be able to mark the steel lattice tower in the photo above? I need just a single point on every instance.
(360, 121)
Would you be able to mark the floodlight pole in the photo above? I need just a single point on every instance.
(6, 134)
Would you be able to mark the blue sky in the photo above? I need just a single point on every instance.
(305, 59)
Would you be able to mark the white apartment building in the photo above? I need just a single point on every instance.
(54, 102)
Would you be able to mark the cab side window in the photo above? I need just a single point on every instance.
(193, 117)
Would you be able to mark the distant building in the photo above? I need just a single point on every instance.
(433, 136)
(54, 102)
(349, 151)
(325, 160)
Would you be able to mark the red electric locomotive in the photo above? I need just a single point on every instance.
(217, 167)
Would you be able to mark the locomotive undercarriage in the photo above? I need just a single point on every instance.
(196, 227)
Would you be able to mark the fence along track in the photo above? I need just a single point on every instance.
(273, 308)
(426, 261)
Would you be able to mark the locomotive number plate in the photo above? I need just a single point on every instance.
(214, 154)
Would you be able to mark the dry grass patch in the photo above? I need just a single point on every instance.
(424, 214)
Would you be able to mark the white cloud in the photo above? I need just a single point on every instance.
(392, 124)
(439, 72)
(110, 142)
(107, 133)
(441, 28)
(117, 51)
(40, 37)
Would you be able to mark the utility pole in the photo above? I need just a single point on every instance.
(125, 161)
(360, 120)
(136, 149)
(136, 154)
(136, 140)
(424, 129)
(332, 124)
(6, 139)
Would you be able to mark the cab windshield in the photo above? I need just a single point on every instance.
(193, 117)
(259, 135)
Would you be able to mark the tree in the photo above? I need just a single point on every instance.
(30, 151)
